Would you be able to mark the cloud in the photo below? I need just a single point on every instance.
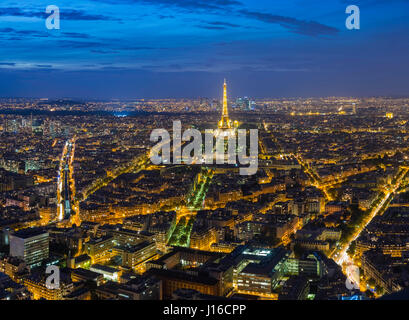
(68, 14)
(11, 34)
(186, 5)
(44, 66)
(76, 35)
(81, 15)
(234, 7)
(166, 17)
(79, 44)
(223, 24)
(18, 34)
(310, 28)
(217, 25)
(210, 27)
(112, 51)
(103, 51)
(135, 48)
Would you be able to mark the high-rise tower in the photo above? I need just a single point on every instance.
(225, 122)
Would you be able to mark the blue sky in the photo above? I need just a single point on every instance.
(184, 48)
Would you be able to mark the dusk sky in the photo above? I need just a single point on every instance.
(185, 48)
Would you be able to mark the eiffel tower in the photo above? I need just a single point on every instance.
(225, 122)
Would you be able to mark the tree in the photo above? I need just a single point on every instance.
(298, 250)
(352, 248)
(379, 290)
(369, 294)
(371, 282)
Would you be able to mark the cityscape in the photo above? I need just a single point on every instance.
(129, 198)
(330, 193)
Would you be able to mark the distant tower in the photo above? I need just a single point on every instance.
(225, 122)
(31, 122)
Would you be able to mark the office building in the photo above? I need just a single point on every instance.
(30, 245)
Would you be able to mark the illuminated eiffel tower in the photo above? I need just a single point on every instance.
(225, 123)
